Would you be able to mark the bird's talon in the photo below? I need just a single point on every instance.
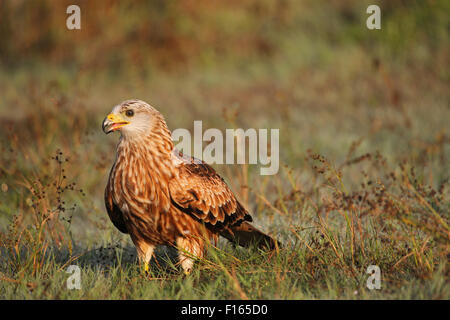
(187, 272)
(146, 268)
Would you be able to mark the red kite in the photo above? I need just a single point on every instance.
(161, 197)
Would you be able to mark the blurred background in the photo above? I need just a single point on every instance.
(310, 68)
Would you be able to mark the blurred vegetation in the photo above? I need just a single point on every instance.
(174, 34)
(364, 141)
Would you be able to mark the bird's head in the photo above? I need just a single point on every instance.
(132, 118)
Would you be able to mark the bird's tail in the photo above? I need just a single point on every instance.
(245, 235)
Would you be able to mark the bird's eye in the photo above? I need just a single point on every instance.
(129, 113)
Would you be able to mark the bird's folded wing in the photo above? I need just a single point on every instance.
(114, 212)
(198, 190)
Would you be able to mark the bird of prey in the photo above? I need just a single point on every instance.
(161, 197)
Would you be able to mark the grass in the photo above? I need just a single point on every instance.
(364, 148)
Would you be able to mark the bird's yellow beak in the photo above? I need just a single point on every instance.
(113, 122)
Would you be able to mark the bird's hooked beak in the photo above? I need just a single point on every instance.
(113, 122)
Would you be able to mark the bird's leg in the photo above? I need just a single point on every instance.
(147, 257)
(145, 253)
(188, 250)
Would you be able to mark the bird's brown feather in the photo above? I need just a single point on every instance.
(199, 191)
